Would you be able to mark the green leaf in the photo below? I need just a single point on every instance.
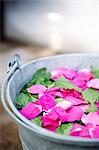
(95, 73)
(41, 76)
(51, 85)
(21, 100)
(37, 121)
(90, 95)
(33, 98)
(58, 100)
(92, 108)
(66, 84)
(64, 128)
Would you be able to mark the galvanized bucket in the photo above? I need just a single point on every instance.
(32, 136)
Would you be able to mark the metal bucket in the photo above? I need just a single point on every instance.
(32, 136)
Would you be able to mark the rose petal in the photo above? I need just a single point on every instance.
(47, 102)
(79, 82)
(97, 104)
(94, 132)
(84, 107)
(59, 72)
(92, 117)
(76, 130)
(76, 94)
(84, 75)
(74, 101)
(61, 113)
(47, 122)
(52, 115)
(70, 74)
(74, 113)
(31, 111)
(64, 104)
(81, 131)
(36, 89)
(52, 91)
(50, 127)
(94, 83)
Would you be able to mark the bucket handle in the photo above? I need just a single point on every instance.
(13, 65)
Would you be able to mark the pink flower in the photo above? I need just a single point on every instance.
(31, 111)
(94, 83)
(37, 89)
(46, 101)
(74, 101)
(74, 113)
(92, 117)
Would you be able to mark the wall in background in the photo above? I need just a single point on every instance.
(59, 24)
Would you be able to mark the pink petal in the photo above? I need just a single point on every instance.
(84, 75)
(70, 74)
(79, 82)
(84, 107)
(52, 115)
(61, 113)
(66, 93)
(74, 101)
(76, 94)
(47, 122)
(59, 94)
(76, 130)
(92, 117)
(47, 102)
(31, 111)
(36, 89)
(81, 131)
(59, 72)
(94, 83)
(52, 91)
(81, 78)
(74, 113)
(50, 127)
(64, 104)
(94, 132)
(97, 104)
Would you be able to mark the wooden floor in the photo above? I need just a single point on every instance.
(9, 139)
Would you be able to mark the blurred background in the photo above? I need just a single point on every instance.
(38, 28)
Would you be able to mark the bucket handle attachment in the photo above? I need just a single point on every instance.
(13, 65)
